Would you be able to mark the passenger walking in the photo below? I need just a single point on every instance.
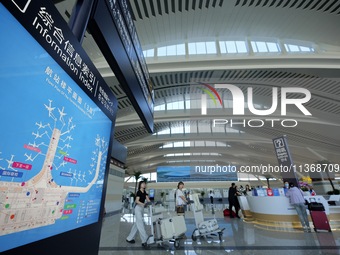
(180, 199)
(141, 197)
(211, 197)
(297, 200)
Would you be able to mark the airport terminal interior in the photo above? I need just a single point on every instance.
(237, 86)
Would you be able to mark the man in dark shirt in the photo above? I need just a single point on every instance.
(232, 198)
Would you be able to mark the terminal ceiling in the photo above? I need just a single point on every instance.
(163, 23)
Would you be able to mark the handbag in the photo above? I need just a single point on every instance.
(180, 209)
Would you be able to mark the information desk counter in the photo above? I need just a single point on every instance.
(244, 205)
(275, 212)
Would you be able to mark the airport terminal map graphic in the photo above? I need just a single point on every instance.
(53, 144)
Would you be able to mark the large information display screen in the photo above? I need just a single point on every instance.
(54, 143)
(196, 173)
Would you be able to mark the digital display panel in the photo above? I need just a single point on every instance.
(151, 193)
(196, 173)
(107, 24)
(54, 143)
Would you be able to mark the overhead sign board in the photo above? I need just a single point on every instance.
(113, 30)
(285, 160)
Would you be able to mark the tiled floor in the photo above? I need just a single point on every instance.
(239, 238)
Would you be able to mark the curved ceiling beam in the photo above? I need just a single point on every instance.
(215, 63)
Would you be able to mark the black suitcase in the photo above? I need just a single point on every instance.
(315, 206)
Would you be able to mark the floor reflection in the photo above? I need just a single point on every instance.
(239, 237)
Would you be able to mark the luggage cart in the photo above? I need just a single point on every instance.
(164, 229)
(203, 228)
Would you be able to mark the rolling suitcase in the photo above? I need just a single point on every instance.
(320, 221)
(173, 227)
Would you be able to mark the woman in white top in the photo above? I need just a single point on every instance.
(180, 198)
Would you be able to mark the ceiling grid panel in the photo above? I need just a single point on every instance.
(170, 25)
(205, 20)
(166, 6)
(308, 4)
(159, 7)
(335, 9)
(193, 4)
(331, 4)
(196, 15)
(218, 21)
(335, 88)
(137, 8)
(171, 79)
(173, 6)
(315, 4)
(152, 8)
(180, 33)
(166, 78)
(162, 80)
(145, 8)
(325, 6)
(164, 25)
(322, 6)
(230, 22)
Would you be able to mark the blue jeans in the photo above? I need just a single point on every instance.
(301, 211)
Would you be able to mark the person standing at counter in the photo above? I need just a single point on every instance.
(297, 200)
(232, 199)
(247, 191)
(286, 187)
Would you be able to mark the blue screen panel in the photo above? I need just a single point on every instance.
(54, 143)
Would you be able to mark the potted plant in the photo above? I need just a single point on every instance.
(162, 195)
(132, 197)
(137, 175)
(305, 188)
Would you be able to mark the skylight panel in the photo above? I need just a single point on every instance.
(161, 51)
(261, 47)
(171, 50)
(192, 48)
(273, 47)
(180, 49)
(200, 48)
(241, 46)
(211, 47)
(231, 47)
(223, 48)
